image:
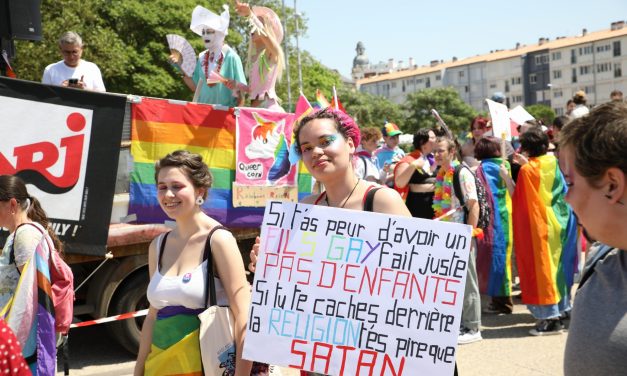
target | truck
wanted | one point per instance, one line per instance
(111, 278)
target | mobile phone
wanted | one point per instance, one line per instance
(73, 81)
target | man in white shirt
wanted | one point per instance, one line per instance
(73, 71)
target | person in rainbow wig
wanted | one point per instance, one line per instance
(545, 235)
(266, 59)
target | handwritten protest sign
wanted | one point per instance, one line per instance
(345, 292)
(501, 125)
(257, 196)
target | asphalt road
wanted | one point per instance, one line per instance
(507, 349)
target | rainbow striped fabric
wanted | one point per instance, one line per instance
(321, 101)
(494, 252)
(159, 127)
(545, 233)
(30, 312)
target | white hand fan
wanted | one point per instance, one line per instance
(188, 55)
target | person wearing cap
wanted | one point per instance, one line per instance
(218, 57)
(389, 153)
(265, 55)
(580, 105)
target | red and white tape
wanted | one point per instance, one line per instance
(103, 320)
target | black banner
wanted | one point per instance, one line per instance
(65, 144)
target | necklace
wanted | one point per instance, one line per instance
(443, 189)
(326, 196)
(212, 58)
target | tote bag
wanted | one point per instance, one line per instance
(217, 344)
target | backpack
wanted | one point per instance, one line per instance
(62, 281)
(485, 210)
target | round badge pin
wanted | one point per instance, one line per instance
(187, 277)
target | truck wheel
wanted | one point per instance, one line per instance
(130, 297)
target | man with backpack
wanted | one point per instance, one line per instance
(456, 200)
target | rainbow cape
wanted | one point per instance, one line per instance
(494, 252)
(545, 233)
(30, 313)
(159, 127)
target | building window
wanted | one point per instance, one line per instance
(585, 50)
(617, 48)
(492, 86)
(573, 56)
(603, 48)
(532, 78)
(506, 86)
(438, 77)
(542, 59)
(557, 94)
(393, 85)
(427, 82)
(589, 89)
(556, 56)
(618, 72)
(584, 69)
(574, 76)
(559, 111)
(557, 74)
(466, 89)
(605, 67)
(461, 74)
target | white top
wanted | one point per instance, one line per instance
(579, 111)
(56, 73)
(26, 239)
(187, 290)
(468, 185)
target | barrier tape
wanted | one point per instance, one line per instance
(103, 320)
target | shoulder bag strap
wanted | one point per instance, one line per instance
(210, 284)
(363, 159)
(11, 251)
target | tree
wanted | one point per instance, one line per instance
(370, 110)
(126, 39)
(541, 112)
(455, 112)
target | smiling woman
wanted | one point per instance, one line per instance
(177, 264)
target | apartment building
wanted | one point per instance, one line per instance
(548, 72)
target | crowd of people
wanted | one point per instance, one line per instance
(529, 204)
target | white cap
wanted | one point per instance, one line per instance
(203, 18)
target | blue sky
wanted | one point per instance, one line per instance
(430, 30)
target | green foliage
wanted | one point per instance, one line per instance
(126, 39)
(370, 110)
(541, 112)
(455, 112)
(315, 76)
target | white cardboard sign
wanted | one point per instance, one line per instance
(345, 292)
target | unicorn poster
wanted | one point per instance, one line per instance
(262, 144)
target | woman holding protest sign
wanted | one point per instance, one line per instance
(24, 269)
(177, 264)
(594, 163)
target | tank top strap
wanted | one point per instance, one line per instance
(320, 198)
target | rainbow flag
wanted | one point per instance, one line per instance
(321, 101)
(159, 127)
(335, 102)
(545, 233)
(494, 252)
(30, 312)
(303, 108)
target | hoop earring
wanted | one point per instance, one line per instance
(200, 201)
